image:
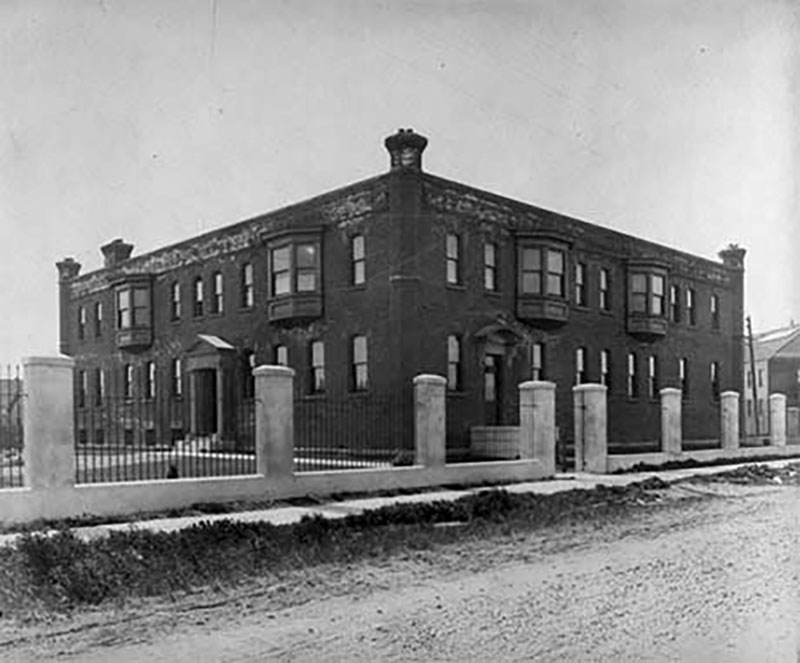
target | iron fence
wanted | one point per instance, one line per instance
(11, 430)
(139, 439)
(352, 432)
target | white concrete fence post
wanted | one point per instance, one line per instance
(591, 433)
(537, 424)
(429, 420)
(274, 398)
(671, 425)
(48, 423)
(729, 419)
(777, 420)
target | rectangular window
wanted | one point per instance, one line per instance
(749, 409)
(675, 303)
(748, 377)
(177, 377)
(453, 249)
(691, 317)
(83, 388)
(580, 365)
(123, 309)
(98, 319)
(639, 293)
(656, 295)
(490, 266)
(306, 267)
(760, 407)
(555, 273)
(714, 312)
(580, 284)
(359, 364)
(198, 297)
(633, 376)
(99, 386)
(453, 363)
(281, 355)
(217, 302)
(317, 367)
(605, 368)
(652, 376)
(150, 380)
(358, 257)
(683, 374)
(537, 361)
(246, 286)
(281, 276)
(760, 377)
(81, 322)
(127, 381)
(714, 376)
(141, 307)
(532, 271)
(605, 295)
(175, 301)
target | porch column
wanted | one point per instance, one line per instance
(274, 401)
(193, 403)
(218, 376)
(537, 424)
(591, 442)
(729, 419)
(777, 420)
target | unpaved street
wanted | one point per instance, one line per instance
(706, 580)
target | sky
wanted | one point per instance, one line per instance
(155, 120)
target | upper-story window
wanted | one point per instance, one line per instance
(177, 377)
(633, 375)
(580, 365)
(358, 259)
(714, 312)
(683, 376)
(150, 380)
(81, 322)
(453, 363)
(246, 283)
(652, 376)
(453, 250)
(133, 307)
(359, 375)
(714, 377)
(537, 361)
(217, 300)
(647, 294)
(83, 388)
(127, 381)
(605, 290)
(294, 268)
(675, 303)
(99, 386)
(175, 301)
(317, 381)
(98, 319)
(490, 266)
(691, 313)
(542, 271)
(580, 284)
(197, 303)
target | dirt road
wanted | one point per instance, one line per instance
(706, 580)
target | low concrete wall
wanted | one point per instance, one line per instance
(18, 505)
(494, 442)
(619, 462)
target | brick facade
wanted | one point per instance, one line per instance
(407, 309)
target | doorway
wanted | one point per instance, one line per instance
(493, 389)
(205, 395)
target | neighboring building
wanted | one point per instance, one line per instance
(777, 371)
(362, 288)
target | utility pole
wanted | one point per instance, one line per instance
(756, 415)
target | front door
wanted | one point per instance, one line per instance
(206, 401)
(493, 389)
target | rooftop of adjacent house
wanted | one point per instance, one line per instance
(782, 342)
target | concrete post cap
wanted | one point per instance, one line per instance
(777, 397)
(425, 378)
(53, 362)
(273, 371)
(537, 385)
(590, 387)
(729, 394)
(670, 391)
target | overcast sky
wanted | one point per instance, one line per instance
(155, 120)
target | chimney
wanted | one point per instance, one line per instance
(405, 148)
(733, 256)
(68, 269)
(116, 252)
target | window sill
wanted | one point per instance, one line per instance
(456, 393)
(460, 287)
(303, 305)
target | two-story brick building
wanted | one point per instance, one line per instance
(362, 288)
